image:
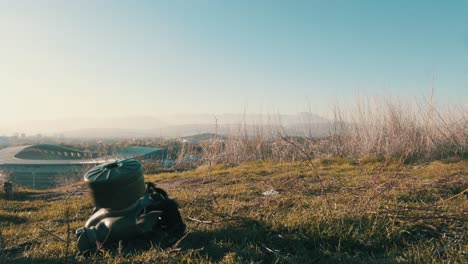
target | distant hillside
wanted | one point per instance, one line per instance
(85, 126)
(169, 126)
(110, 133)
(202, 137)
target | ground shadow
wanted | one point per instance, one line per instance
(254, 241)
(250, 240)
(31, 195)
(11, 219)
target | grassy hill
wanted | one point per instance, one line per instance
(327, 211)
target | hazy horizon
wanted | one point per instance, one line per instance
(152, 125)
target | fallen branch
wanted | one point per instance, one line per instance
(52, 234)
(434, 217)
(200, 221)
(274, 252)
(308, 159)
(175, 247)
(453, 197)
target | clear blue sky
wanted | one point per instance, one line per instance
(79, 58)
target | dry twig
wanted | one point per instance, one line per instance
(452, 197)
(200, 221)
(52, 234)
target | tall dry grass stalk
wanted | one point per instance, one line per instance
(392, 129)
(371, 127)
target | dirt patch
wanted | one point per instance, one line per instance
(72, 192)
(51, 196)
(181, 183)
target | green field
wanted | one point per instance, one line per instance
(347, 211)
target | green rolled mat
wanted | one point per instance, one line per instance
(116, 185)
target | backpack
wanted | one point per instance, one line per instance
(154, 217)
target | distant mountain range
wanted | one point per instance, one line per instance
(175, 125)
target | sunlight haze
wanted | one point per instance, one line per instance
(105, 59)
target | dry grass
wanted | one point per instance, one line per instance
(391, 129)
(385, 212)
(372, 128)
